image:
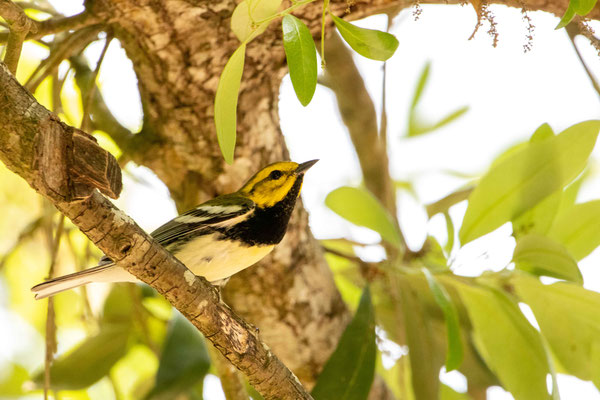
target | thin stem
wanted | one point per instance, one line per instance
(50, 317)
(87, 103)
(573, 30)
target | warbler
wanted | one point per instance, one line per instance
(218, 238)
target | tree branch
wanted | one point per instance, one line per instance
(28, 135)
(359, 116)
(57, 24)
(19, 25)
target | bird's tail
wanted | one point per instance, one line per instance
(102, 273)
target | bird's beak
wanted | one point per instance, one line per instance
(304, 166)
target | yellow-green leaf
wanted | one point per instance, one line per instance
(454, 351)
(226, 102)
(526, 177)
(540, 255)
(349, 372)
(370, 43)
(301, 57)
(568, 318)
(362, 208)
(578, 228)
(90, 361)
(184, 360)
(245, 20)
(510, 346)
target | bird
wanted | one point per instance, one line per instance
(218, 238)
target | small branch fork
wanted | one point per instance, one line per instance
(19, 25)
(27, 133)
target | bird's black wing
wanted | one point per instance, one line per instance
(218, 211)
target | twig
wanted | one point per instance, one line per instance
(87, 99)
(448, 201)
(45, 8)
(59, 24)
(73, 44)
(573, 29)
(102, 118)
(50, 317)
(19, 25)
(359, 116)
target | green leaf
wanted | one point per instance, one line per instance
(583, 7)
(418, 128)
(184, 360)
(542, 133)
(362, 208)
(540, 255)
(447, 393)
(421, 83)
(424, 365)
(568, 318)
(247, 14)
(11, 384)
(526, 177)
(373, 44)
(349, 372)
(538, 219)
(301, 56)
(89, 361)
(454, 351)
(578, 228)
(510, 346)
(567, 17)
(226, 102)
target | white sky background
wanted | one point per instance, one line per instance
(509, 94)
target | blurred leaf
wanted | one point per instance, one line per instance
(184, 360)
(349, 372)
(568, 318)
(391, 376)
(454, 350)
(540, 255)
(506, 340)
(244, 20)
(362, 208)
(118, 306)
(542, 133)
(417, 128)
(370, 43)
(301, 57)
(450, 233)
(11, 384)
(447, 393)
(539, 218)
(578, 228)
(226, 102)
(424, 365)
(527, 177)
(421, 83)
(89, 361)
(134, 374)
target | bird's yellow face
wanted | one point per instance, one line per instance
(271, 184)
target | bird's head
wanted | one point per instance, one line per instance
(272, 184)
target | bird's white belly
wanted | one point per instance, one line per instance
(219, 259)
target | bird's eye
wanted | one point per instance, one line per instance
(274, 175)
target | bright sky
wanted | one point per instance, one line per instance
(509, 94)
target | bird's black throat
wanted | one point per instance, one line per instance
(266, 225)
